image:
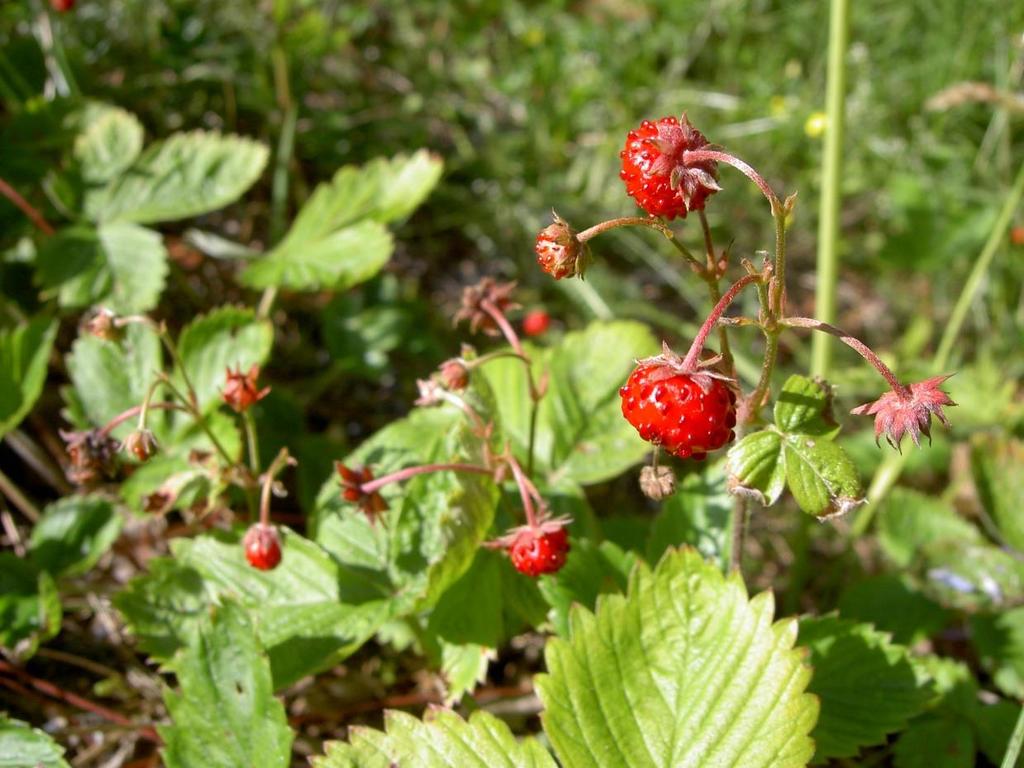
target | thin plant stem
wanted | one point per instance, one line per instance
(693, 355)
(282, 460)
(252, 441)
(25, 207)
(889, 470)
(1016, 740)
(524, 491)
(17, 498)
(625, 221)
(420, 469)
(831, 183)
(696, 155)
(200, 420)
(715, 292)
(137, 410)
(737, 534)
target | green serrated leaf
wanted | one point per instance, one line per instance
(111, 377)
(820, 475)
(119, 265)
(337, 262)
(590, 570)
(24, 355)
(30, 609)
(338, 239)
(185, 175)
(108, 142)
(22, 746)
(993, 726)
(699, 514)
(866, 684)
(998, 466)
(909, 521)
(580, 433)
(685, 670)
(226, 337)
(757, 466)
(441, 740)
(893, 605)
(935, 742)
(999, 640)
(804, 406)
(226, 715)
(73, 534)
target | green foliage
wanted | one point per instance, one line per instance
(24, 354)
(580, 434)
(29, 606)
(892, 604)
(22, 746)
(699, 514)
(73, 534)
(182, 176)
(227, 337)
(338, 239)
(120, 265)
(866, 685)
(442, 739)
(109, 141)
(798, 451)
(999, 640)
(999, 476)
(684, 670)
(226, 715)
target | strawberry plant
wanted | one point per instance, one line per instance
(560, 543)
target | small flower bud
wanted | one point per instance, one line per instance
(241, 391)
(142, 443)
(352, 481)
(657, 482)
(454, 374)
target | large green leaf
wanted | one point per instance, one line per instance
(226, 715)
(893, 605)
(867, 685)
(226, 337)
(120, 265)
(108, 142)
(581, 435)
(110, 377)
(936, 742)
(998, 466)
(73, 534)
(185, 175)
(429, 536)
(682, 671)
(24, 355)
(441, 740)
(338, 239)
(30, 608)
(999, 640)
(22, 746)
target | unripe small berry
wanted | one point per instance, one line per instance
(558, 251)
(536, 322)
(454, 374)
(142, 443)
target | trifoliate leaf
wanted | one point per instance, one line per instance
(73, 534)
(804, 406)
(867, 685)
(22, 746)
(186, 175)
(226, 715)
(441, 740)
(227, 337)
(108, 142)
(684, 670)
(24, 355)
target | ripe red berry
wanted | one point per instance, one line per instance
(657, 174)
(262, 547)
(686, 414)
(536, 322)
(535, 551)
(62, 6)
(1017, 235)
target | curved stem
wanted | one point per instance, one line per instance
(25, 207)
(696, 155)
(137, 410)
(692, 357)
(854, 343)
(252, 439)
(625, 221)
(524, 490)
(504, 326)
(421, 469)
(196, 414)
(778, 284)
(282, 460)
(711, 278)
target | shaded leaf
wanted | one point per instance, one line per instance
(935, 743)
(998, 466)
(73, 534)
(30, 609)
(699, 514)
(804, 406)
(999, 640)
(757, 466)
(893, 605)
(24, 355)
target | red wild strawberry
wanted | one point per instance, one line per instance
(686, 413)
(535, 552)
(262, 547)
(62, 6)
(536, 322)
(1017, 235)
(656, 173)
